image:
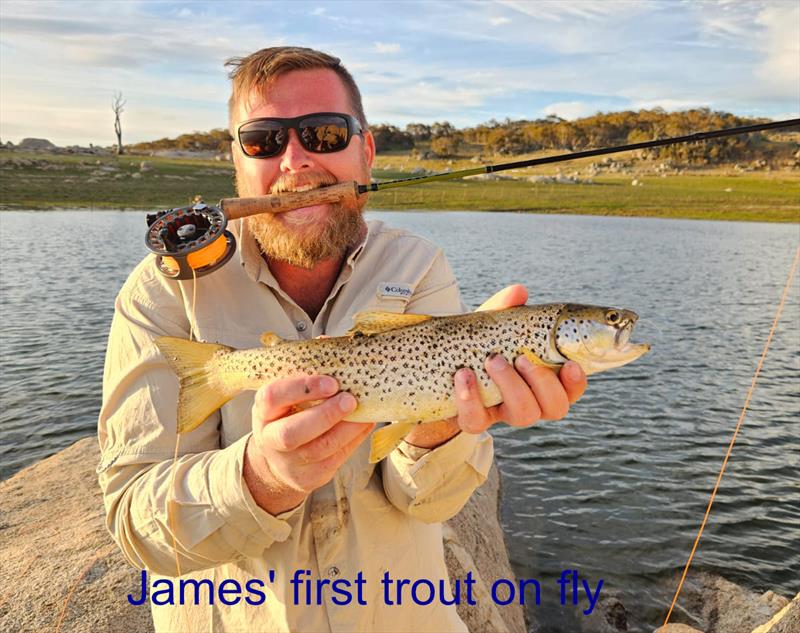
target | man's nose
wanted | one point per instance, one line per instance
(295, 157)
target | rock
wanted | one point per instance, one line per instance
(36, 144)
(474, 542)
(677, 628)
(787, 620)
(60, 565)
(721, 606)
(609, 616)
(136, 174)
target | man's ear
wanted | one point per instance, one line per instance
(369, 147)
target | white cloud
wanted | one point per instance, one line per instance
(387, 48)
(499, 21)
(571, 109)
(780, 43)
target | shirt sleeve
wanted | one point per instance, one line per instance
(170, 508)
(433, 485)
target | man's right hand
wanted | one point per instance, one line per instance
(290, 454)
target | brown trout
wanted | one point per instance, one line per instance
(400, 367)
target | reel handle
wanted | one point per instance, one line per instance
(235, 208)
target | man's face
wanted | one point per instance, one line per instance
(305, 236)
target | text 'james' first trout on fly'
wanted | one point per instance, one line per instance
(400, 367)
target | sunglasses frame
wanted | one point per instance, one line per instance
(354, 128)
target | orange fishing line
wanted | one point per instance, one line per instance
(736, 431)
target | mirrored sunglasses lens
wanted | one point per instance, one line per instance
(262, 138)
(324, 134)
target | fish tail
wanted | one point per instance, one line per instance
(202, 390)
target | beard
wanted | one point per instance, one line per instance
(306, 240)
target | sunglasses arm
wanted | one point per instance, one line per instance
(235, 208)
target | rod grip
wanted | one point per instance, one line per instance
(235, 208)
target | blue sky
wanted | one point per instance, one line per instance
(465, 62)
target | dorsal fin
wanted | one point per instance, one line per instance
(377, 322)
(268, 339)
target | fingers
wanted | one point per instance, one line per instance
(519, 406)
(276, 399)
(546, 388)
(334, 442)
(473, 417)
(529, 394)
(574, 381)
(293, 431)
(508, 297)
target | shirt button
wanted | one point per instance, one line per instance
(333, 572)
(301, 326)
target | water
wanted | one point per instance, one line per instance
(617, 490)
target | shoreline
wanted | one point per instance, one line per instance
(29, 180)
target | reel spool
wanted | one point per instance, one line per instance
(189, 241)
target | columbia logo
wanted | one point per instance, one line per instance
(390, 289)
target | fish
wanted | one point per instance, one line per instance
(400, 367)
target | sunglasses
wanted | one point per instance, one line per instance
(319, 132)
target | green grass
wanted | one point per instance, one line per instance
(69, 181)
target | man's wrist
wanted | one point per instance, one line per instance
(433, 434)
(271, 494)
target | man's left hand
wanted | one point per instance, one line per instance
(529, 393)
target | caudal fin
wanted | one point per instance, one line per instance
(201, 392)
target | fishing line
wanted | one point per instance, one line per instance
(736, 430)
(173, 470)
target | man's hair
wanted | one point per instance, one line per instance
(257, 71)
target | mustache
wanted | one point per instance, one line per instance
(306, 180)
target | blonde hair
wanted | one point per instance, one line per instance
(257, 71)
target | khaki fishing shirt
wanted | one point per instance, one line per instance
(371, 518)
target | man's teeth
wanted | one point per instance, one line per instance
(304, 188)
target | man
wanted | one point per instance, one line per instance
(268, 483)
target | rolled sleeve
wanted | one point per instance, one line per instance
(433, 485)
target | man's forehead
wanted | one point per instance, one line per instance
(297, 92)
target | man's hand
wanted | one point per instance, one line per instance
(529, 393)
(291, 454)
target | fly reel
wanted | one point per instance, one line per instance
(189, 241)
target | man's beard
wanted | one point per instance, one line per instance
(306, 241)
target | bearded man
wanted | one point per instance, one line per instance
(269, 491)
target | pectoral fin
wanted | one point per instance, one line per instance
(527, 353)
(377, 322)
(385, 440)
(268, 339)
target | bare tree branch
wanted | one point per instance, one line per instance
(118, 106)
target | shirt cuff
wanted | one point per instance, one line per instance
(256, 529)
(417, 465)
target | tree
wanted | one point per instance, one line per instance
(118, 106)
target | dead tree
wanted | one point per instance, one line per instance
(118, 106)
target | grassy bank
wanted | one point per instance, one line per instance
(46, 181)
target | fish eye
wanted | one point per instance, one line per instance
(612, 316)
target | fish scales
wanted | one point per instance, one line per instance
(407, 373)
(401, 367)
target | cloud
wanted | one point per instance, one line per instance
(780, 43)
(387, 48)
(570, 109)
(499, 21)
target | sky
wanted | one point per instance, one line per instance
(462, 61)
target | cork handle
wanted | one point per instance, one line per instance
(236, 208)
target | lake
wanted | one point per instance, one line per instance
(617, 490)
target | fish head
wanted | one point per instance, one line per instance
(597, 338)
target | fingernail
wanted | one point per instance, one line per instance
(524, 364)
(347, 402)
(463, 380)
(328, 386)
(497, 362)
(573, 370)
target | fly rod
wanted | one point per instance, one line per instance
(192, 241)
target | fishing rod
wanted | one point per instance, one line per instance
(193, 241)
